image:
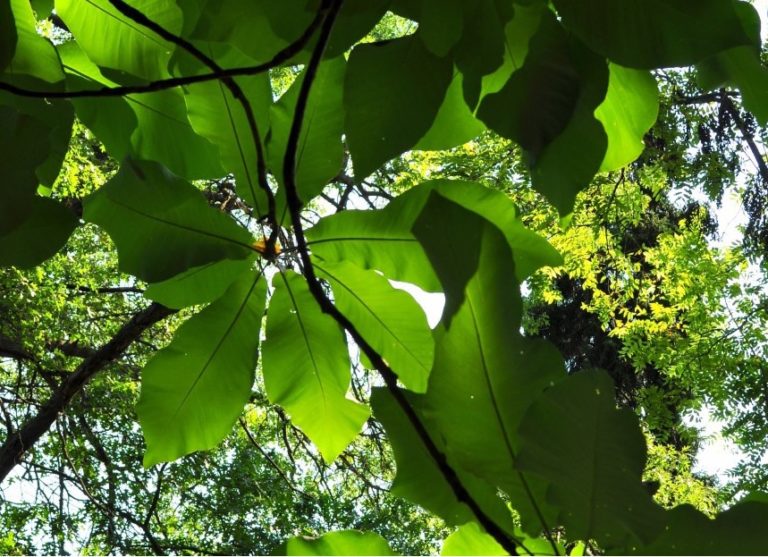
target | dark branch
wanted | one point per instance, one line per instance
(390, 378)
(281, 57)
(237, 92)
(19, 442)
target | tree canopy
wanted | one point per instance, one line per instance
(214, 217)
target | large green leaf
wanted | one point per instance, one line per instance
(454, 124)
(306, 367)
(738, 531)
(629, 110)
(193, 390)
(740, 67)
(114, 41)
(32, 54)
(389, 319)
(484, 367)
(217, 116)
(392, 93)
(112, 120)
(42, 229)
(162, 225)
(548, 108)
(344, 542)
(418, 477)
(199, 285)
(654, 33)
(594, 463)
(319, 152)
(469, 539)
(149, 126)
(382, 240)
(8, 35)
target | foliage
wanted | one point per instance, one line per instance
(238, 128)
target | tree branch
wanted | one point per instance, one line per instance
(281, 57)
(19, 442)
(390, 378)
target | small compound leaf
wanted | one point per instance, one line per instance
(306, 368)
(629, 110)
(392, 93)
(161, 224)
(382, 240)
(193, 390)
(198, 285)
(389, 319)
(344, 542)
(651, 34)
(593, 464)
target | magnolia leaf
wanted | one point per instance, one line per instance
(484, 368)
(392, 93)
(654, 33)
(389, 319)
(198, 285)
(382, 240)
(344, 542)
(629, 110)
(220, 118)
(739, 530)
(161, 224)
(594, 464)
(193, 390)
(33, 55)
(114, 41)
(306, 368)
(319, 152)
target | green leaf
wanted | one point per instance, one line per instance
(629, 110)
(112, 120)
(33, 55)
(654, 33)
(392, 93)
(389, 319)
(344, 542)
(114, 41)
(320, 152)
(419, 479)
(484, 368)
(454, 124)
(742, 68)
(217, 116)
(739, 530)
(162, 225)
(548, 108)
(42, 8)
(307, 370)
(149, 126)
(441, 23)
(193, 390)
(198, 285)
(470, 539)
(8, 36)
(382, 240)
(594, 463)
(42, 230)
